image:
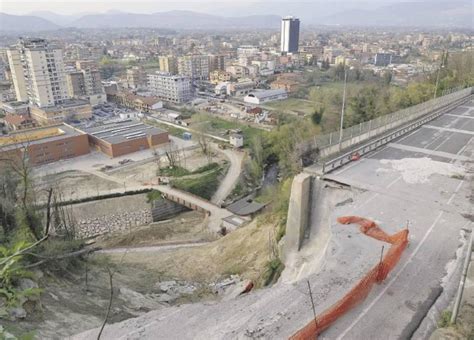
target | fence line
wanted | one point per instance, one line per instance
(384, 123)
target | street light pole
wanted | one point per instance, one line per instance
(343, 107)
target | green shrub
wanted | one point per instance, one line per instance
(154, 195)
(445, 319)
(11, 270)
(273, 270)
(206, 168)
(204, 186)
(176, 171)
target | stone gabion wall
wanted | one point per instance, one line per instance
(95, 226)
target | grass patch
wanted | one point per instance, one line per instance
(293, 105)
(179, 171)
(176, 171)
(172, 130)
(445, 319)
(204, 186)
(206, 168)
(219, 127)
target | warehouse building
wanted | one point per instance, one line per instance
(121, 138)
(264, 96)
(44, 145)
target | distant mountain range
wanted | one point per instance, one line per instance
(457, 13)
(25, 23)
(409, 14)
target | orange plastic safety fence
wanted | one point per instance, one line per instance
(360, 291)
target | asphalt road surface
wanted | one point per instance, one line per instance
(422, 178)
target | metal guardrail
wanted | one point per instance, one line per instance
(374, 144)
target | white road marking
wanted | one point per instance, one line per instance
(382, 293)
(455, 192)
(429, 152)
(459, 116)
(464, 147)
(449, 129)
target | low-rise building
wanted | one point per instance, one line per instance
(72, 109)
(16, 122)
(288, 85)
(236, 140)
(136, 102)
(121, 138)
(240, 88)
(219, 76)
(264, 96)
(44, 145)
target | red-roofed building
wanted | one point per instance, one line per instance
(18, 122)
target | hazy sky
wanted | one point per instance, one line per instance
(225, 7)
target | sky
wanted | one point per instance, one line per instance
(224, 7)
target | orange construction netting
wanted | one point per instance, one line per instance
(360, 291)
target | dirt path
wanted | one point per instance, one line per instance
(232, 177)
(152, 248)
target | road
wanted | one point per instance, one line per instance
(391, 186)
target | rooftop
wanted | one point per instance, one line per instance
(266, 93)
(37, 135)
(122, 131)
(70, 103)
(245, 206)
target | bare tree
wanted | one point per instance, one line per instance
(111, 272)
(173, 156)
(205, 145)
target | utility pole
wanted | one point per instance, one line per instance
(343, 107)
(437, 77)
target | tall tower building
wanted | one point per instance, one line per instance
(38, 72)
(290, 34)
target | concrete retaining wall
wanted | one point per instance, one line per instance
(163, 209)
(298, 213)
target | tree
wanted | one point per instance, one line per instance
(317, 115)
(387, 77)
(363, 105)
(339, 72)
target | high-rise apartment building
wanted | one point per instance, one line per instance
(195, 66)
(171, 88)
(85, 82)
(217, 62)
(75, 84)
(92, 78)
(38, 74)
(136, 77)
(168, 64)
(290, 34)
(382, 59)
